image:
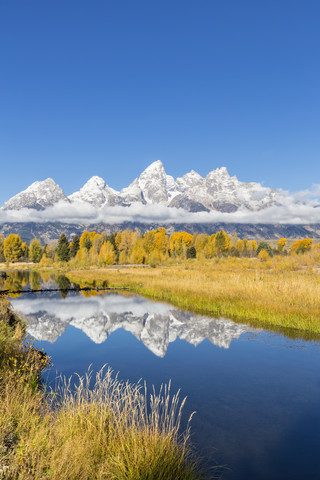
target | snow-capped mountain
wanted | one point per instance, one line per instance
(96, 192)
(155, 324)
(217, 191)
(39, 196)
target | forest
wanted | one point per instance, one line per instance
(152, 248)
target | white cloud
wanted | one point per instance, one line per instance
(294, 208)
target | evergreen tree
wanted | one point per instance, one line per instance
(63, 251)
(112, 240)
(75, 246)
(266, 247)
(191, 252)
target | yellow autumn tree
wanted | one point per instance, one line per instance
(221, 242)
(252, 245)
(13, 249)
(263, 256)
(200, 240)
(123, 258)
(92, 256)
(282, 242)
(45, 261)
(107, 254)
(243, 245)
(126, 241)
(35, 250)
(137, 254)
(149, 241)
(179, 242)
(161, 241)
(82, 257)
(97, 242)
(301, 246)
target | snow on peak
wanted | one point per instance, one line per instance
(38, 195)
(95, 181)
(153, 183)
(154, 166)
(95, 191)
(219, 174)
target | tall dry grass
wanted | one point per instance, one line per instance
(276, 294)
(109, 430)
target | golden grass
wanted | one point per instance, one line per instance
(244, 290)
(113, 431)
(110, 431)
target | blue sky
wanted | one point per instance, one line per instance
(106, 87)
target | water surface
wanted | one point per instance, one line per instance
(256, 393)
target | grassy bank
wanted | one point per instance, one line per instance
(114, 430)
(241, 289)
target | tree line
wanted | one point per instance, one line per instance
(131, 247)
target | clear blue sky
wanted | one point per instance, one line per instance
(106, 87)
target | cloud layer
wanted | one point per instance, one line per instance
(299, 208)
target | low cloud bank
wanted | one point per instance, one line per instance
(299, 208)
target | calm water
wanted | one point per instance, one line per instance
(256, 393)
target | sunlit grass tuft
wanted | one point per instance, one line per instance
(109, 430)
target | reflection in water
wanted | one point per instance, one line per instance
(35, 280)
(155, 324)
(19, 280)
(64, 285)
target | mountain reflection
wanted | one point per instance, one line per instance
(155, 324)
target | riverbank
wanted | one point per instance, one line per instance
(241, 290)
(111, 430)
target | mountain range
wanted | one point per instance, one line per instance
(218, 191)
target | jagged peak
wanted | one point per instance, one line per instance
(219, 172)
(95, 180)
(47, 181)
(192, 174)
(156, 166)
